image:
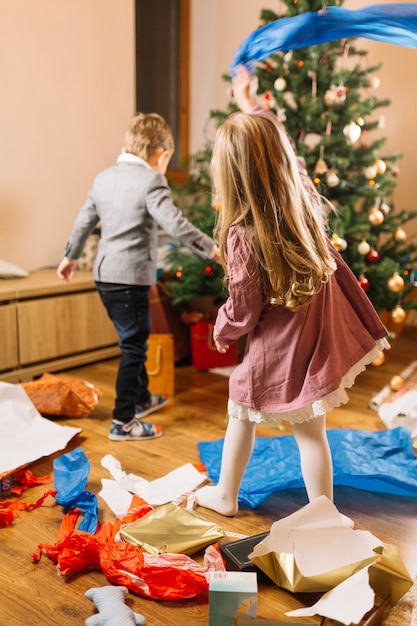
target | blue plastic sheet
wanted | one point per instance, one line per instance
(389, 23)
(70, 479)
(382, 462)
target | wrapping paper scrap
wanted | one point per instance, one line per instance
(182, 480)
(171, 528)
(26, 436)
(382, 462)
(160, 577)
(63, 396)
(399, 408)
(313, 551)
(70, 476)
(392, 23)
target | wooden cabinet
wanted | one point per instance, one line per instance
(47, 325)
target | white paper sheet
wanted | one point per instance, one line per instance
(337, 603)
(26, 436)
(180, 481)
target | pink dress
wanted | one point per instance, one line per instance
(296, 366)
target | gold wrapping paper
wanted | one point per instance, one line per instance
(312, 551)
(171, 528)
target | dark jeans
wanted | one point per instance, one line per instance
(128, 308)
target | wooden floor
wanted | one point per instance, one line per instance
(33, 594)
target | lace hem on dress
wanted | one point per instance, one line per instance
(320, 407)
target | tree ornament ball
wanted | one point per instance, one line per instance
(376, 217)
(375, 82)
(364, 283)
(370, 172)
(332, 179)
(373, 256)
(398, 315)
(364, 247)
(395, 283)
(380, 166)
(280, 84)
(396, 383)
(400, 235)
(379, 360)
(385, 208)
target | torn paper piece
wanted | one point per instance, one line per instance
(160, 491)
(26, 436)
(116, 497)
(337, 603)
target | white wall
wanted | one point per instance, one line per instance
(67, 89)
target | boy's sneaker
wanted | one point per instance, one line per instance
(135, 430)
(156, 401)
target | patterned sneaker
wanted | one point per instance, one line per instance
(156, 401)
(134, 430)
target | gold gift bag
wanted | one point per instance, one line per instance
(160, 363)
(171, 528)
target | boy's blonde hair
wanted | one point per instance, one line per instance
(146, 132)
(260, 187)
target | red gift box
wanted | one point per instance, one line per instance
(204, 352)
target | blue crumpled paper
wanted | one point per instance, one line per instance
(70, 479)
(382, 462)
(391, 23)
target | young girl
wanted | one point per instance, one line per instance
(310, 327)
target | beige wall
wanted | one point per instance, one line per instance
(67, 89)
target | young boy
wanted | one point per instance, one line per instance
(130, 200)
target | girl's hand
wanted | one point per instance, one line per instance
(241, 83)
(219, 348)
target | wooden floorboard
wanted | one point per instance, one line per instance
(33, 594)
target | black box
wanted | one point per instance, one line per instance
(236, 553)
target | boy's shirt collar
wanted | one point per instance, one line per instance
(128, 157)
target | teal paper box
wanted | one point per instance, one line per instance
(232, 594)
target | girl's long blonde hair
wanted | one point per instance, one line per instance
(256, 174)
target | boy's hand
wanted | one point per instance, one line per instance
(66, 269)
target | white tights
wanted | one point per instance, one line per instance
(315, 456)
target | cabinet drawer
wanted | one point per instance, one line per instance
(54, 327)
(9, 357)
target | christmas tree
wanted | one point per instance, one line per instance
(326, 97)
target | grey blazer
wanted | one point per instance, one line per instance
(130, 200)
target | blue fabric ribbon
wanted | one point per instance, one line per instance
(381, 462)
(70, 479)
(390, 23)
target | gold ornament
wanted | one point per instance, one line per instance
(396, 383)
(376, 217)
(395, 283)
(400, 235)
(379, 360)
(398, 315)
(321, 167)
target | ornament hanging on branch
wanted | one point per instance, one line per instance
(395, 283)
(364, 247)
